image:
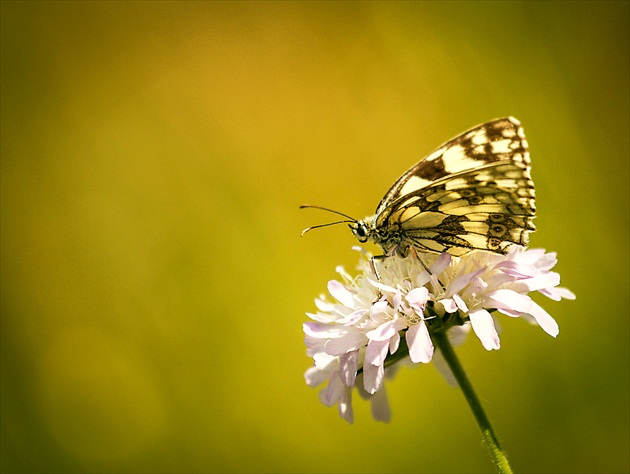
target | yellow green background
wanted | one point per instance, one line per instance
(154, 282)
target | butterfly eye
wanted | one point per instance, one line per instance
(360, 231)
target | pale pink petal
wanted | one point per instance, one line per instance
(378, 312)
(380, 286)
(313, 345)
(441, 263)
(462, 280)
(383, 332)
(422, 278)
(449, 305)
(394, 342)
(350, 341)
(372, 377)
(565, 293)
(380, 406)
(341, 293)
(326, 362)
(483, 325)
(508, 299)
(515, 269)
(352, 318)
(322, 331)
(387, 330)
(344, 407)
(333, 391)
(419, 343)
(529, 257)
(558, 293)
(500, 280)
(314, 377)
(322, 317)
(544, 320)
(397, 300)
(511, 313)
(418, 297)
(542, 280)
(376, 352)
(460, 303)
(348, 366)
(478, 285)
(547, 262)
(324, 305)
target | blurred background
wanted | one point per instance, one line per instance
(154, 282)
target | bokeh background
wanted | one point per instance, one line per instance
(154, 282)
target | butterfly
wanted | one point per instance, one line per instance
(473, 192)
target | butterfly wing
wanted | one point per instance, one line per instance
(473, 192)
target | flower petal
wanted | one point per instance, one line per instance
(422, 278)
(322, 331)
(419, 343)
(314, 377)
(383, 332)
(376, 352)
(323, 317)
(380, 286)
(344, 406)
(449, 305)
(547, 261)
(516, 269)
(380, 406)
(378, 312)
(341, 293)
(557, 294)
(351, 341)
(418, 298)
(333, 391)
(394, 342)
(483, 325)
(544, 320)
(461, 281)
(460, 303)
(352, 318)
(508, 299)
(441, 263)
(348, 366)
(542, 280)
(373, 377)
(324, 305)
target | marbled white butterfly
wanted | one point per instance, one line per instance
(473, 192)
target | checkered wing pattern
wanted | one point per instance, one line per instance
(473, 192)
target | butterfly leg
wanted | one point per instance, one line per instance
(381, 257)
(412, 251)
(373, 266)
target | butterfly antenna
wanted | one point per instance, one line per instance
(322, 225)
(352, 219)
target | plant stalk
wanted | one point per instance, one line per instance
(499, 458)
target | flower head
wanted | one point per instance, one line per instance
(389, 311)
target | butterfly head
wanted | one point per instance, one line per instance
(361, 230)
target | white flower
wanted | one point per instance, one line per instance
(382, 316)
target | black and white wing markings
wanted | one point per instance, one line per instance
(498, 140)
(474, 192)
(480, 215)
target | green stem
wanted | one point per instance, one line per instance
(499, 457)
